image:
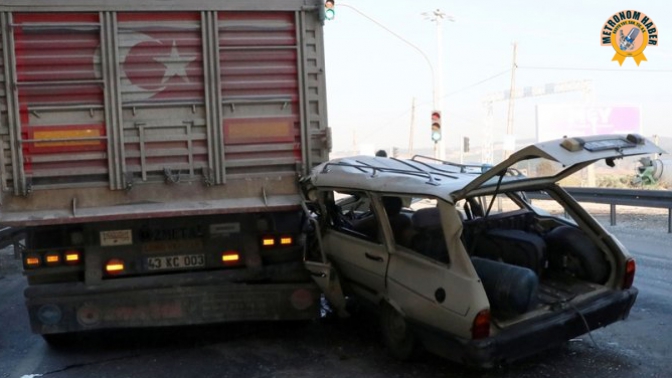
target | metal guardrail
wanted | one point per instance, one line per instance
(625, 197)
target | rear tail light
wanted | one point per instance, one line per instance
(52, 258)
(32, 261)
(481, 326)
(114, 266)
(277, 241)
(73, 257)
(629, 276)
(230, 258)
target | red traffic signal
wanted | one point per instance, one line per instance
(436, 125)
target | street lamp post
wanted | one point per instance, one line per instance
(436, 71)
(438, 16)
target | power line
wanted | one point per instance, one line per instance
(381, 25)
(506, 71)
(446, 96)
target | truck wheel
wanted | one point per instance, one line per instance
(397, 336)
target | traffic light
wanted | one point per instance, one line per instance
(329, 12)
(465, 141)
(436, 125)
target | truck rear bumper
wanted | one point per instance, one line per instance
(536, 335)
(81, 308)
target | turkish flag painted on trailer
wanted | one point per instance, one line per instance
(161, 57)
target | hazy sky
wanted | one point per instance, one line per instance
(372, 76)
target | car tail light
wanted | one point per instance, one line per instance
(32, 261)
(481, 326)
(286, 240)
(268, 241)
(73, 257)
(52, 258)
(629, 276)
(114, 266)
(230, 257)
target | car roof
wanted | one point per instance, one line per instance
(380, 174)
(422, 175)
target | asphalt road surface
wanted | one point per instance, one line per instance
(638, 347)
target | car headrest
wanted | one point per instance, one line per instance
(392, 205)
(428, 217)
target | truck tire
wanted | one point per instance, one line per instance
(397, 336)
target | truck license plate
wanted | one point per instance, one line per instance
(175, 262)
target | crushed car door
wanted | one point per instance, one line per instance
(321, 270)
(326, 278)
(354, 243)
(573, 154)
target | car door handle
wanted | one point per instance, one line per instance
(373, 257)
(318, 274)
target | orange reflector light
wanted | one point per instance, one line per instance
(72, 257)
(230, 257)
(286, 240)
(268, 242)
(114, 266)
(52, 258)
(32, 261)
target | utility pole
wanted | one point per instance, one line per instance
(416, 48)
(509, 139)
(437, 17)
(410, 137)
(438, 93)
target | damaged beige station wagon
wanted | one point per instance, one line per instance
(464, 264)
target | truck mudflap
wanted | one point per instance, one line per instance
(166, 306)
(531, 337)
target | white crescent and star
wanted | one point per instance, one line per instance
(174, 63)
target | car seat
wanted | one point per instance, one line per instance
(429, 239)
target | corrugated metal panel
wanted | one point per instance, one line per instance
(317, 137)
(260, 92)
(5, 150)
(158, 5)
(60, 97)
(162, 89)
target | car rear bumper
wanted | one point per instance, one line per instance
(531, 337)
(76, 307)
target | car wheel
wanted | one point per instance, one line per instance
(397, 335)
